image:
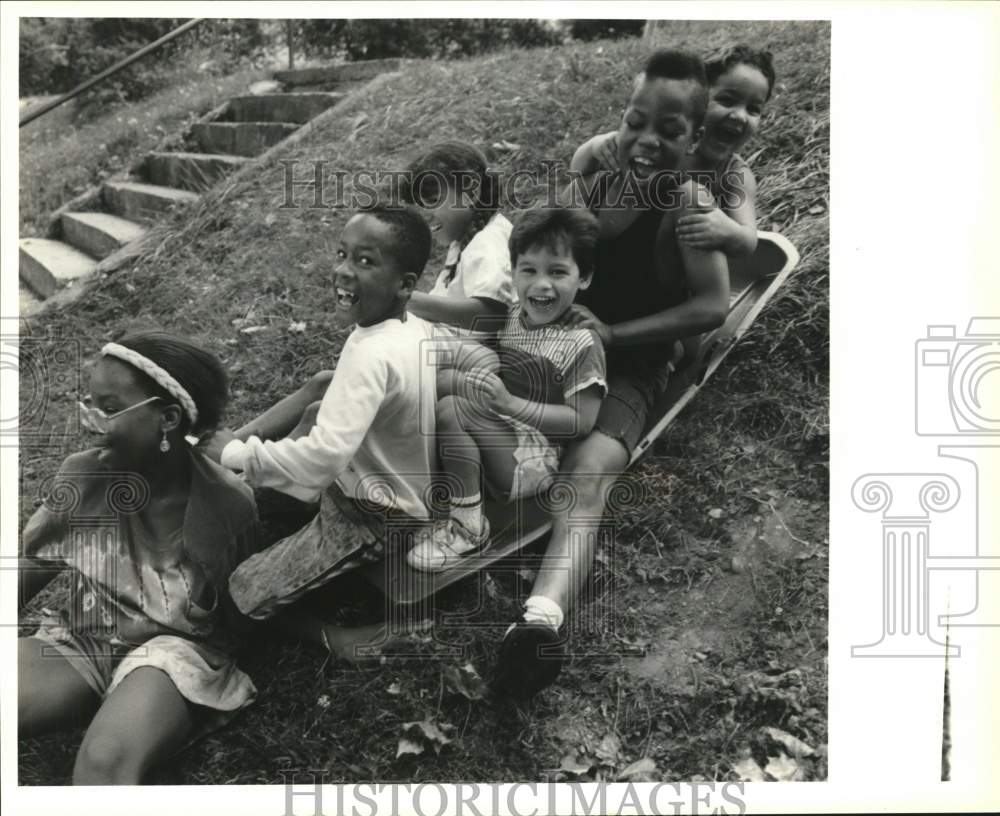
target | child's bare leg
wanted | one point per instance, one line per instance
(51, 694)
(473, 443)
(306, 422)
(466, 355)
(457, 447)
(282, 417)
(445, 382)
(531, 652)
(591, 468)
(468, 441)
(472, 355)
(141, 723)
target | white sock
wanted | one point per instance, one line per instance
(468, 511)
(539, 609)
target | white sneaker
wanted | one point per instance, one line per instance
(444, 544)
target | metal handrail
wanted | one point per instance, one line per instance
(32, 115)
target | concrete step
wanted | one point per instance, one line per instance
(241, 138)
(99, 234)
(47, 266)
(332, 74)
(189, 171)
(142, 202)
(279, 107)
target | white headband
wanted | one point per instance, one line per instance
(157, 374)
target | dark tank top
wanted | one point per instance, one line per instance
(627, 286)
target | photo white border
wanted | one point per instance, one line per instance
(914, 161)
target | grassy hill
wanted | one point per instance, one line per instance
(719, 576)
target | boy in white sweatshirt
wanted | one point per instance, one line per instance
(370, 455)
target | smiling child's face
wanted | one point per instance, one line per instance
(370, 285)
(133, 438)
(547, 282)
(449, 217)
(735, 104)
(657, 128)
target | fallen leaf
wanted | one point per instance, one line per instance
(609, 751)
(394, 689)
(466, 681)
(408, 746)
(715, 513)
(642, 770)
(270, 219)
(572, 765)
(793, 746)
(430, 732)
(749, 771)
(784, 769)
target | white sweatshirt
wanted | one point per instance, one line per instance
(374, 433)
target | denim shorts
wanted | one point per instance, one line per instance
(344, 535)
(626, 408)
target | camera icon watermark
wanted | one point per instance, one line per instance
(957, 394)
(958, 380)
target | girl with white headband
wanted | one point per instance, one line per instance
(150, 530)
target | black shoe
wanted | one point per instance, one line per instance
(530, 659)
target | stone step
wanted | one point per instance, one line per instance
(46, 266)
(142, 202)
(241, 138)
(279, 107)
(347, 72)
(189, 171)
(99, 234)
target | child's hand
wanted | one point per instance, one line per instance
(606, 151)
(580, 317)
(706, 229)
(487, 389)
(212, 445)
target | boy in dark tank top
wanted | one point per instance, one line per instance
(648, 292)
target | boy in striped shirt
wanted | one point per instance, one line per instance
(509, 411)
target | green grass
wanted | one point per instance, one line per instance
(756, 438)
(61, 158)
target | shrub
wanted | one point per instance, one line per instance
(605, 29)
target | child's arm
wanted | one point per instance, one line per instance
(730, 229)
(570, 421)
(44, 537)
(306, 466)
(597, 153)
(479, 313)
(34, 575)
(707, 277)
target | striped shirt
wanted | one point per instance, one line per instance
(550, 363)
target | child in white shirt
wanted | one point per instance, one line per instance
(452, 185)
(370, 455)
(454, 189)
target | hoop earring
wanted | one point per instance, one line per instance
(165, 443)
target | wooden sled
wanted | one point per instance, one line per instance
(753, 282)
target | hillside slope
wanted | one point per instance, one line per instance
(719, 601)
